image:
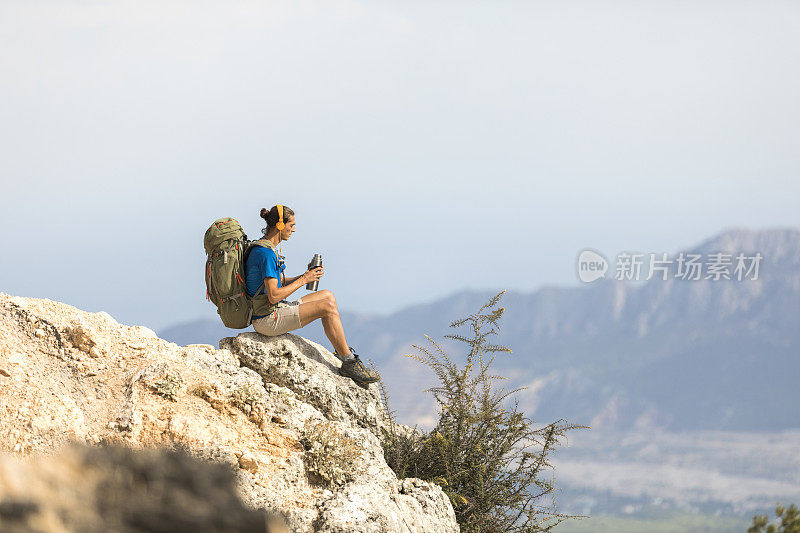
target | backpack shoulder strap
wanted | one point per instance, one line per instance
(263, 243)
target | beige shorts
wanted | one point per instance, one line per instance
(285, 318)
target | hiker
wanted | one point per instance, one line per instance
(264, 268)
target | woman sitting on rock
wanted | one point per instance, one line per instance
(263, 264)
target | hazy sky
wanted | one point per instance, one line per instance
(426, 147)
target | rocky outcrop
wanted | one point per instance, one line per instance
(303, 440)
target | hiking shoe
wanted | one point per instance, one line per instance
(356, 370)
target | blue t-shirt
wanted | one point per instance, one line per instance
(261, 263)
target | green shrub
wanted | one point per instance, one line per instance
(790, 521)
(486, 456)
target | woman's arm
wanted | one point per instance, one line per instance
(289, 281)
(275, 294)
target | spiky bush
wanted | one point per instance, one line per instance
(485, 454)
(789, 521)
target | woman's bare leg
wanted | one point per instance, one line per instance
(322, 305)
(316, 295)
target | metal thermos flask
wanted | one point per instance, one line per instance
(316, 262)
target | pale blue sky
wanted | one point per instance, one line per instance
(426, 147)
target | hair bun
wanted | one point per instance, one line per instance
(264, 213)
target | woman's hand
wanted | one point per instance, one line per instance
(313, 275)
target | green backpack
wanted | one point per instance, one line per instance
(227, 249)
